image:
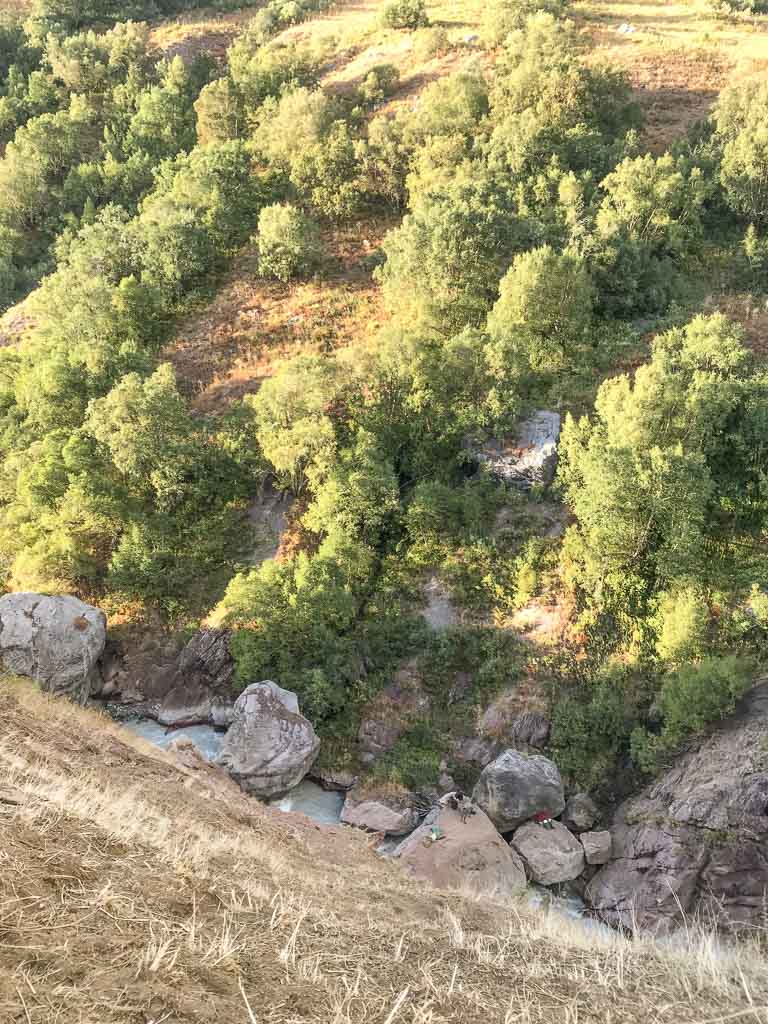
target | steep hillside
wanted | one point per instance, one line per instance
(136, 889)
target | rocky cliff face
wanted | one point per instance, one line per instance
(696, 841)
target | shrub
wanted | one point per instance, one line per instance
(380, 82)
(692, 698)
(543, 312)
(405, 14)
(288, 242)
(504, 16)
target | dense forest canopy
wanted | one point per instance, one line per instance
(533, 237)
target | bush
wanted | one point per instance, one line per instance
(288, 242)
(405, 14)
(380, 82)
(504, 16)
(692, 698)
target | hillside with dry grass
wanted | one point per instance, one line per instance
(138, 888)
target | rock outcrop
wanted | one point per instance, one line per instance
(202, 682)
(57, 641)
(580, 814)
(527, 459)
(551, 855)
(471, 854)
(514, 787)
(597, 847)
(392, 814)
(695, 842)
(270, 746)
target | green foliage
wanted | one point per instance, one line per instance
(445, 260)
(501, 17)
(691, 698)
(380, 82)
(593, 720)
(648, 221)
(327, 174)
(414, 761)
(293, 422)
(218, 112)
(740, 121)
(288, 242)
(405, 14)
(259, 71)
(543, 313)
(667, 482)
(683, 625)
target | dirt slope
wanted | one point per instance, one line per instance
(136, 890)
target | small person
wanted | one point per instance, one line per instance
(544, 818)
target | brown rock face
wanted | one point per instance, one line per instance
(696, 841)
(390, 713)
(202, 681)
(471, 854)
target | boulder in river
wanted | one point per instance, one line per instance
(580, 814)
(469, 854)
(57, 641)
(270, 746)
(695, 842)
(390, 813)
(515, 787)
(551, 855)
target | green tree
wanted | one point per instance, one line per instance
(543, 313)
(288, 242)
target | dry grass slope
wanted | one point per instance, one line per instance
(135, 890)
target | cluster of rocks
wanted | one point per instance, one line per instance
(529, 458)
(695, 842)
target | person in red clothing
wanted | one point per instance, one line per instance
(544, 818)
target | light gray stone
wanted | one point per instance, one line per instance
(530, 457)
(378, 812)
(515, 786)
(551, 855)
(597, 847)
(471, 854)
(580, 814)
(269, 747)
(57, 641)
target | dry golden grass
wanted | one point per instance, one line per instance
(679, 57)
(132, 890)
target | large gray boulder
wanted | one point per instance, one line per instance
(581, 813)
(470, 855)
(392, 814)
(270, 746)
(695, 842)
(551, 855)
(57, 641)
(516, 786)
(530, 457)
